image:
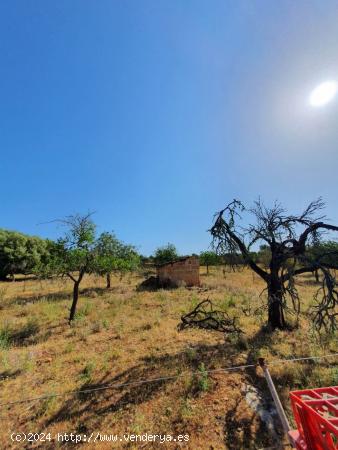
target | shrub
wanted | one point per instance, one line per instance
(86, 374)
(105, 324)
(83, 312)
(203, 381)
(200, 381)
(5, 337)
(228, 302)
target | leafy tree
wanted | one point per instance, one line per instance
(74, 255)
(209, 258)
(20, 253)
(287, 238)
(327, 251)
(129, 259)
(107, 249)
(114, 256)
(165, 254)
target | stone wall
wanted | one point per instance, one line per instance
(182, 271)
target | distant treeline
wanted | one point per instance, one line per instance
(328, 252)
(24, 254)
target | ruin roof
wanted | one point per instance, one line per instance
(180, 259)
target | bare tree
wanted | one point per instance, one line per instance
(287, 237)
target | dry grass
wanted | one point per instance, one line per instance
(122, 335)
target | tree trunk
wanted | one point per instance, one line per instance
(207, 269)
(275, 305)
(108, 280)
(75, 299)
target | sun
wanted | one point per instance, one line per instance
(323, 93)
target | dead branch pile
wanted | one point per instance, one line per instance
(206, 317)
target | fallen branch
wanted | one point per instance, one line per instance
(206, 317)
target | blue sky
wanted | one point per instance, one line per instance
(155, 114)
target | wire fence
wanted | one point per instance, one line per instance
(165, 378)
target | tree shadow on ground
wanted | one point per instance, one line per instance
(36, 298)
(153, 283)
(309, 282)
(105, 400)
(19, 279)
(262, 339)
(57, 296)
(6, 374)
(308, 279)
(89, 407)
(290, 377)
(27, 334)
(242, 433)
(94, 291)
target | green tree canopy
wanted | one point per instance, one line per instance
(327, 251)
(165, 254)
(113, 256)
(73, 255)
(20, 253)
(209, 258)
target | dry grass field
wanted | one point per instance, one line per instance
(121, 336)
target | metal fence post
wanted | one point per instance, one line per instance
(278, 404)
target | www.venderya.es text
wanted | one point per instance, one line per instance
(97, 437)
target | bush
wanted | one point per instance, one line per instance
(5, 337)
(200, 381)
(86, 374)
(165, 254)
(83, 312)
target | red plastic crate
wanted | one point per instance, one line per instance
(316, 415)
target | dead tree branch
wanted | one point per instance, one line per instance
(206, 317)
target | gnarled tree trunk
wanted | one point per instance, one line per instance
(275, 304)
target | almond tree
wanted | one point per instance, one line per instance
(208, 258)
(165, 254)
(73, 255)
(113, 256)
(287, 237)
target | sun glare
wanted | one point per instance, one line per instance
(323, 93)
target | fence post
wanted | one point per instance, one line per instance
(278, 404)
